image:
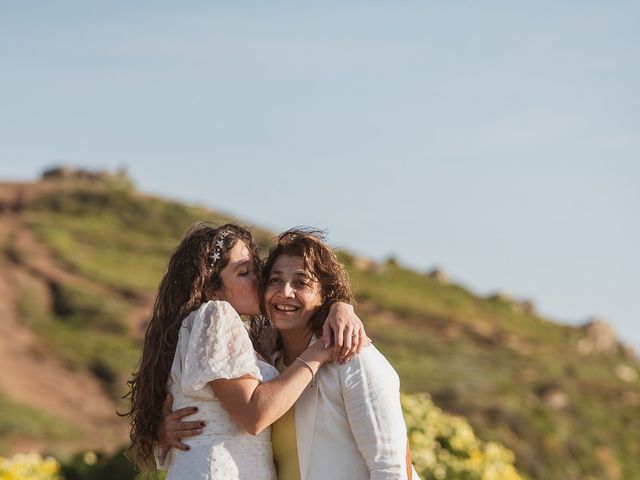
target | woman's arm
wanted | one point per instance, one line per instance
(347, 330)
(254, 405)
(172, 429)
(342, 323)
(370, 389)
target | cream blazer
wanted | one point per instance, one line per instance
(349, 425)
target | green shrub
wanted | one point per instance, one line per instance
(444, 447)
(84, 308)
(100, 466)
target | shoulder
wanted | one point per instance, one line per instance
(212, 309)
(368, 356)
(219, 307)
(369, 363)
(214, 316)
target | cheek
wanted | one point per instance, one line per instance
(268, 295)
(252, 283)
(313, 301)
(248, 286)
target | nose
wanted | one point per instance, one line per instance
(287, 291)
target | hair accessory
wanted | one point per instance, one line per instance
(219, 243)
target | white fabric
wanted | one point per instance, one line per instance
(350, 424)
(213, 343)
(217, 346)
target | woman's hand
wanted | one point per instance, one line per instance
(318, 353)
(172, 429)
(348, 332)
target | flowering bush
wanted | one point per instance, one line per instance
(29, 466)
(444, 447)
(104, 466)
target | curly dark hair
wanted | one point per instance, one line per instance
(191, 279)
(320, 261)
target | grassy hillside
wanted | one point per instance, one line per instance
(518, 378)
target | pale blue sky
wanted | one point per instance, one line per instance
(500, 140)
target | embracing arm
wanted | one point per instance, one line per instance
(347, 330)
(254, 405)
(370, 389)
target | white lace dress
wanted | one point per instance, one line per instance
(213, 343)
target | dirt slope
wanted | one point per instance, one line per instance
(31, 375)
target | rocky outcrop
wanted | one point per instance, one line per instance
(626, 373)
(525, 306)
(364, 264)
(439, 275)
(67, 172)
(522, 305)
(598, 337)
(500, 296)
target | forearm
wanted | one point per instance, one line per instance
(271, 400)
(255, 406)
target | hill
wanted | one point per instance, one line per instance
(81, 258)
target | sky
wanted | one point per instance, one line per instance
(498, 140)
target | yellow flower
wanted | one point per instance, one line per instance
(444, 446)
(90, 458)
(30, 466)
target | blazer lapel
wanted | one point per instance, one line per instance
(305, 417)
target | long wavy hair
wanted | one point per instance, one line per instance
(192, 277)
(321, 262)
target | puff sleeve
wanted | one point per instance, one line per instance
(218, 347)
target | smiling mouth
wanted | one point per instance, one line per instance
(281, 307)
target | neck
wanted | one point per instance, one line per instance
(294, 342)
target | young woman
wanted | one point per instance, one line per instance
(348, 423)
(197, 347)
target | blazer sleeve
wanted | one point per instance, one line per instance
(371, 392)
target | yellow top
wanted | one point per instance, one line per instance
(283, 438)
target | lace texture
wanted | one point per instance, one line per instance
(218, 347)
(213, 343)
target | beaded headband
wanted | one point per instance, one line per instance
(219, 243)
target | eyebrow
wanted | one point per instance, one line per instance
(241, 264)
(299, 273)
